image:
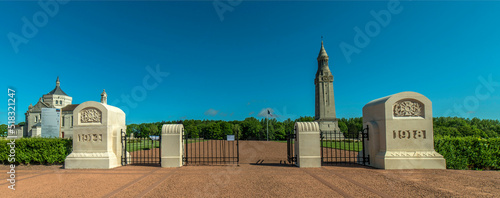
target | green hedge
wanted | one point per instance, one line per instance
(37, 150)
(469, 152)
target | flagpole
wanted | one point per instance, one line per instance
(267, 118)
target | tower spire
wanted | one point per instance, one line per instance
(322, 52)
(58, 84)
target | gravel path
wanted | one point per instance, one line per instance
(250, 179)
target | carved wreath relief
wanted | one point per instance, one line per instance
(90, 115)
(408, 108)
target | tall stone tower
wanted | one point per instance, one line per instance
(325, 101)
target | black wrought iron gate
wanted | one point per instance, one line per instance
(199, 150)
(141, 150)
(290, 148)
(338, 148)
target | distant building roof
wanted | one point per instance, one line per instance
(57, 90)
(70, 107)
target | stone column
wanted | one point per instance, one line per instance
(172, 145)
(307, 144)
(401, 132)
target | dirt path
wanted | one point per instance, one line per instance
(250, 179)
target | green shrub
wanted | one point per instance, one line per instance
(37, 150)
(469, 152)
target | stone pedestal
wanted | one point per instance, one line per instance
(171, 145)
(332, 128)
(97, 137)
(401, 133)
(307, 144)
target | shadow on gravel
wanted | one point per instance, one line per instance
(276, 164)
(347, 166)
(273, 164)
(148, 165)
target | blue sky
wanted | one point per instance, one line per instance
(255, 55)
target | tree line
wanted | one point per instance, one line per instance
(253, 129)
(462, 127)
(249, 129)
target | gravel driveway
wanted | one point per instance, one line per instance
(268, 178)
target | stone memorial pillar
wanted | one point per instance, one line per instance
(172, 145)
(401, 133)
(307, 144)
(97, 137)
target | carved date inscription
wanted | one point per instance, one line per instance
(409, 134)
(90, 137)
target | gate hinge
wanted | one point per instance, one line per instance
(365, 133)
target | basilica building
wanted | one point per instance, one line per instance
(56, 98)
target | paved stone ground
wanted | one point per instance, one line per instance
(269, 179)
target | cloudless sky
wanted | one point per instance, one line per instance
(259, 55)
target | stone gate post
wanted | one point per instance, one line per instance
(307, 144)
(401, 132)
(172, 145)
(97, 137)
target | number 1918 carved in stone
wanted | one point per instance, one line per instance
(409, 134)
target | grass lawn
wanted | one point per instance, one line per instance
(193, 141)
(142, 145)
(344, 145)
